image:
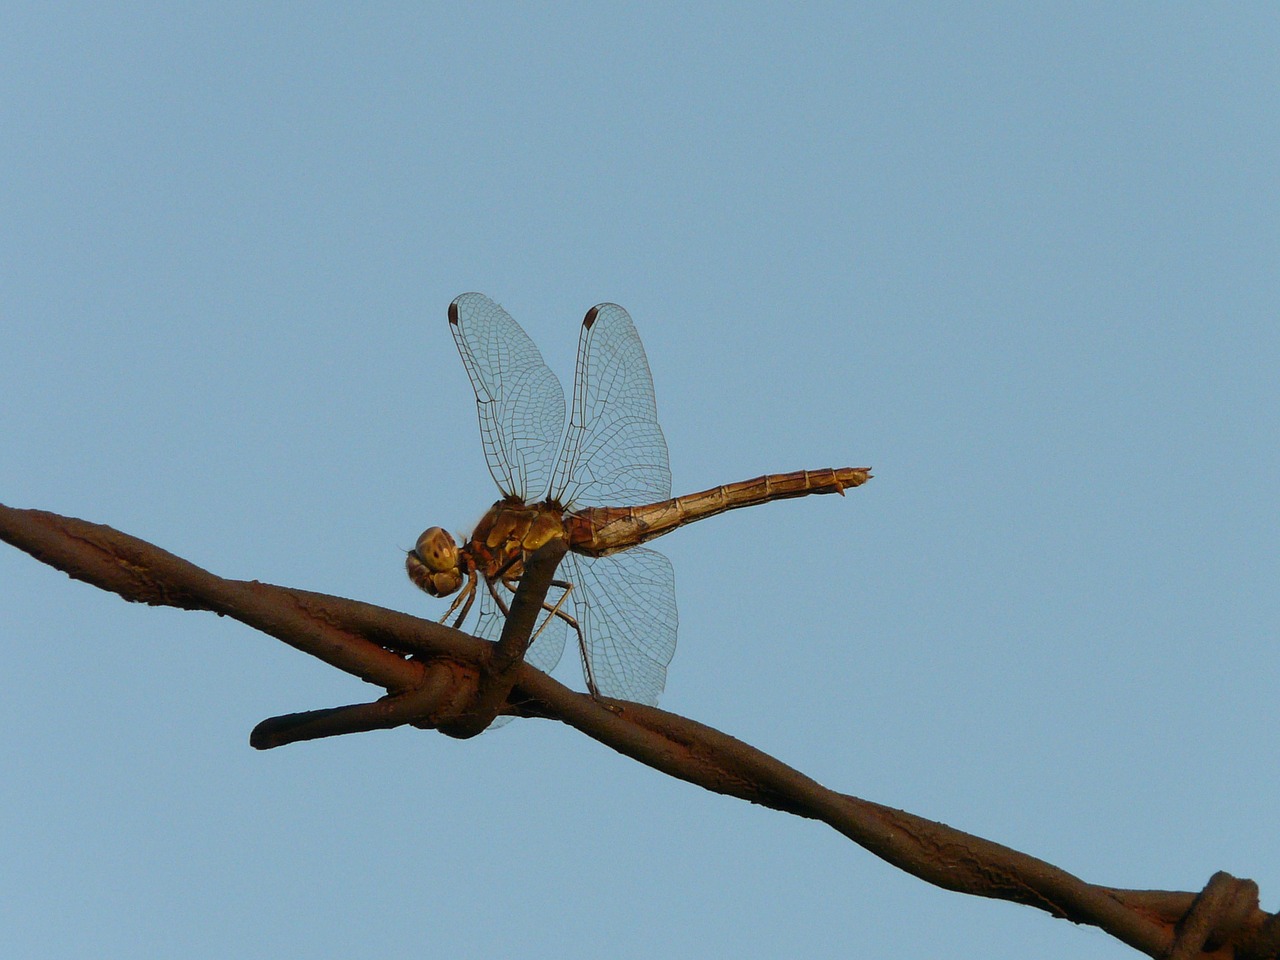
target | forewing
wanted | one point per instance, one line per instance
(625, 604)
(614, 453)
(546, 649)
(520, 401)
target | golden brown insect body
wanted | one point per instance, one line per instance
(510, 530)
(593, 474)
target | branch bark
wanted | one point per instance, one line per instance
(439, 678)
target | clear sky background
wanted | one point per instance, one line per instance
(1023, 262)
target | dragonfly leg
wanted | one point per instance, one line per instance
(511, 583)
(582, 640)
(468, 595)
(466, 607)
(493, 592)
(554, 611)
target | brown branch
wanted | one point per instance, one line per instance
(440, 678)
(499, 671)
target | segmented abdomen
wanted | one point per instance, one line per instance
(597, 531)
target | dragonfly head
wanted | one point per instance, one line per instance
(434, 563)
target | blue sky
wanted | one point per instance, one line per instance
(1023, 262)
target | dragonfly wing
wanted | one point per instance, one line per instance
(625, 604)
(545, 651)
(614, 453)
(521, 402)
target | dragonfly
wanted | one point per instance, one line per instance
(602, 483)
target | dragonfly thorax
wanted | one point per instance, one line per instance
(509, 532)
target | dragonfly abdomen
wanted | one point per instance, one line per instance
(598, 531)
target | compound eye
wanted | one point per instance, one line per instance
(438, 551)
(434, 564)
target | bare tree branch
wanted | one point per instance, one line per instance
(440, 678)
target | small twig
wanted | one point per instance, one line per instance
(499, 671)
(382, 714)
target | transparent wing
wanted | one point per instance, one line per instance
(614, 453)
(544, 653)
(520, 401)
(625, 604)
